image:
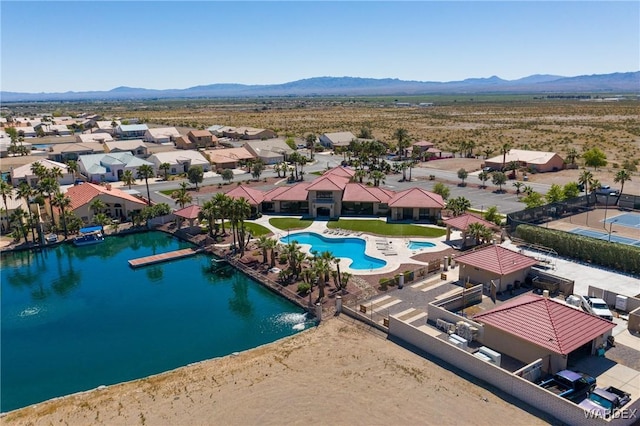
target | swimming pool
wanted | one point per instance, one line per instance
(352, 248)
(417, 245)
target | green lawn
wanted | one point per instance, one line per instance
(167, 192)
(390, 229)
(256, 230)
(285, 223)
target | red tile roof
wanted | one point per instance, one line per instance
(190, 212)
(462, 222)
(296, 192)
(85, 193)
(253, 196)
(546, 323)
(497, 259)
(424, 143)
(416, 197)
(340, 171)
(329, 183)
(357, 192)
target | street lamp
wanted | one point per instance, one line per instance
(610, 225)
(606, 206)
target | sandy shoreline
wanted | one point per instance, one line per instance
(337, 373)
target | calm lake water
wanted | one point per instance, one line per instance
(74, 318)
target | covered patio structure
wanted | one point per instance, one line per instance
(188, 213)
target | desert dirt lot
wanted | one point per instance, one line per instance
(336, 373)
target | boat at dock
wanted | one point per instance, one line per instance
(90, 235)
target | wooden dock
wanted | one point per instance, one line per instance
(162, 257)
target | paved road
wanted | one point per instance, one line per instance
(479, 198)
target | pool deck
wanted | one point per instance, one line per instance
(393, 250)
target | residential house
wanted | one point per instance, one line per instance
(26, 132)
(161, 135)
(538, 161)
(109, 167)
(131, 131)
(106, 126)
(94, 137)
(216, 129)
(49, 129)
(134, 146)
(416, 204)
(249, 133)
(270, 151)
(532, 327)
(228, 158)
(119, 204)
(337, 139)
(13, 203)
(180, 161)
(201, 138)
(25, 174)
(72, 151)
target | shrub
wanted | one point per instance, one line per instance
(303, 288)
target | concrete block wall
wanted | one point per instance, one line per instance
(528, 392)
(633, 303)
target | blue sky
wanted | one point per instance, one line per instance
(84, 45)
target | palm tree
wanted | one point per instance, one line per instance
(97, 206)
(518, 186)
(458, 205)
(476, 230)
(291, 250)
(311, 142)
(62, 202)
(263, 243)
(377, 176)
(145, 172)
(586, 180)
(6, 191)
(572, 156)
(621, 177)
(102, 220)
(181, 195)
(487, 152)
(210, 211)
(17, 217)
(128, 178)
(165, 167)
(48, 187)
(506, 147)
(25, 192)
(271, 246)
(242, 211)
(72, 166)
(223, 201)
(402, 136)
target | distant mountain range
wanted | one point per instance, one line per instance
(615, 83)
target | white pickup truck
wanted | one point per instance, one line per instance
(596, 306)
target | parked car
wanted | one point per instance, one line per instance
(569, 384)
(605, 400)
(607, 190)
(596, 306)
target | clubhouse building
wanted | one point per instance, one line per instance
(334, 195)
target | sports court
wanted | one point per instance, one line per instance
(622, 226)
(605, 236)
(631, 220)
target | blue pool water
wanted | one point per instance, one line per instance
(416, 245)
(352, 248)
(74, 318)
